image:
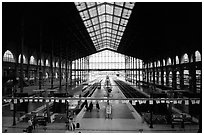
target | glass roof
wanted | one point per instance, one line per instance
(105, 21)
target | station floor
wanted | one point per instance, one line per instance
(124, 119)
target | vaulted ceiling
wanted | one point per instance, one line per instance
(150, 30)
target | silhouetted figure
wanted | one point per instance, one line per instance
(86, 105)
(30, 126)
(34, 122)
(97, 106)
(90, 106)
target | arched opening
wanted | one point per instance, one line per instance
(197, 56)
(57, 64)
(164, 63)
(47, 63)
(170, 79)
(159, 78)
(186, 79)
(169, 61)
(42, 62)
(198, 81)
(164, 77)
(177, 80)
(185, 58)
(24, 59)
(8, 57)
(32, 60)
(177, 60)
(56, 75)
(158, 63)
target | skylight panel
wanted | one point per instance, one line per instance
(120, 33)
(80, 5)
(121, 28)
(93, 12)
(95, 21)
(129, 5)
(108, 34)
(114, 32)
(114, 36)
(103, 25)
(109, 9)
(115, 26)
(91, 34)
(126, 13)
(117, 11)
(97, 32)
(96, 27)
(101, 9)
(109, 25)
(102, 18)
(116, 20)
(124, 22)
(109, 18)
(87, 23)
(105, 21)
(90, 4)
(119, 3)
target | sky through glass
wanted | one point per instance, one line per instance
(105, 21)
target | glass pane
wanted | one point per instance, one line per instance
(109, 9)
(117, 11)
(90, 4)
(116, 20)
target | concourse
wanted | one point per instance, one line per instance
(101, 67)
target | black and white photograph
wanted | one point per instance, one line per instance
(101, 67)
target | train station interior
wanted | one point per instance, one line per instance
(102, 67)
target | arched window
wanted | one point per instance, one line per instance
(185, 59)
(164, 77)
(32, 60)
(164, 63)
(158, 63)
(177, 80)
(170, 78)
(56, 75)
(177, 60)
(197, 56)
(57, 64)
(186, 78)
(8, 56)
(42, 63)
(169, 61)
(47, 63)
(53, 64)
(24, 59)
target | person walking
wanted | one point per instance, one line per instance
(97, 106)
(30, 126)
(90, 106)
(86, 105)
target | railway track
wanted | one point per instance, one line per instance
(128, 91)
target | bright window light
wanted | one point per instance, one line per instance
(105, 20)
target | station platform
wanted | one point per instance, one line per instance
(123, 119)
